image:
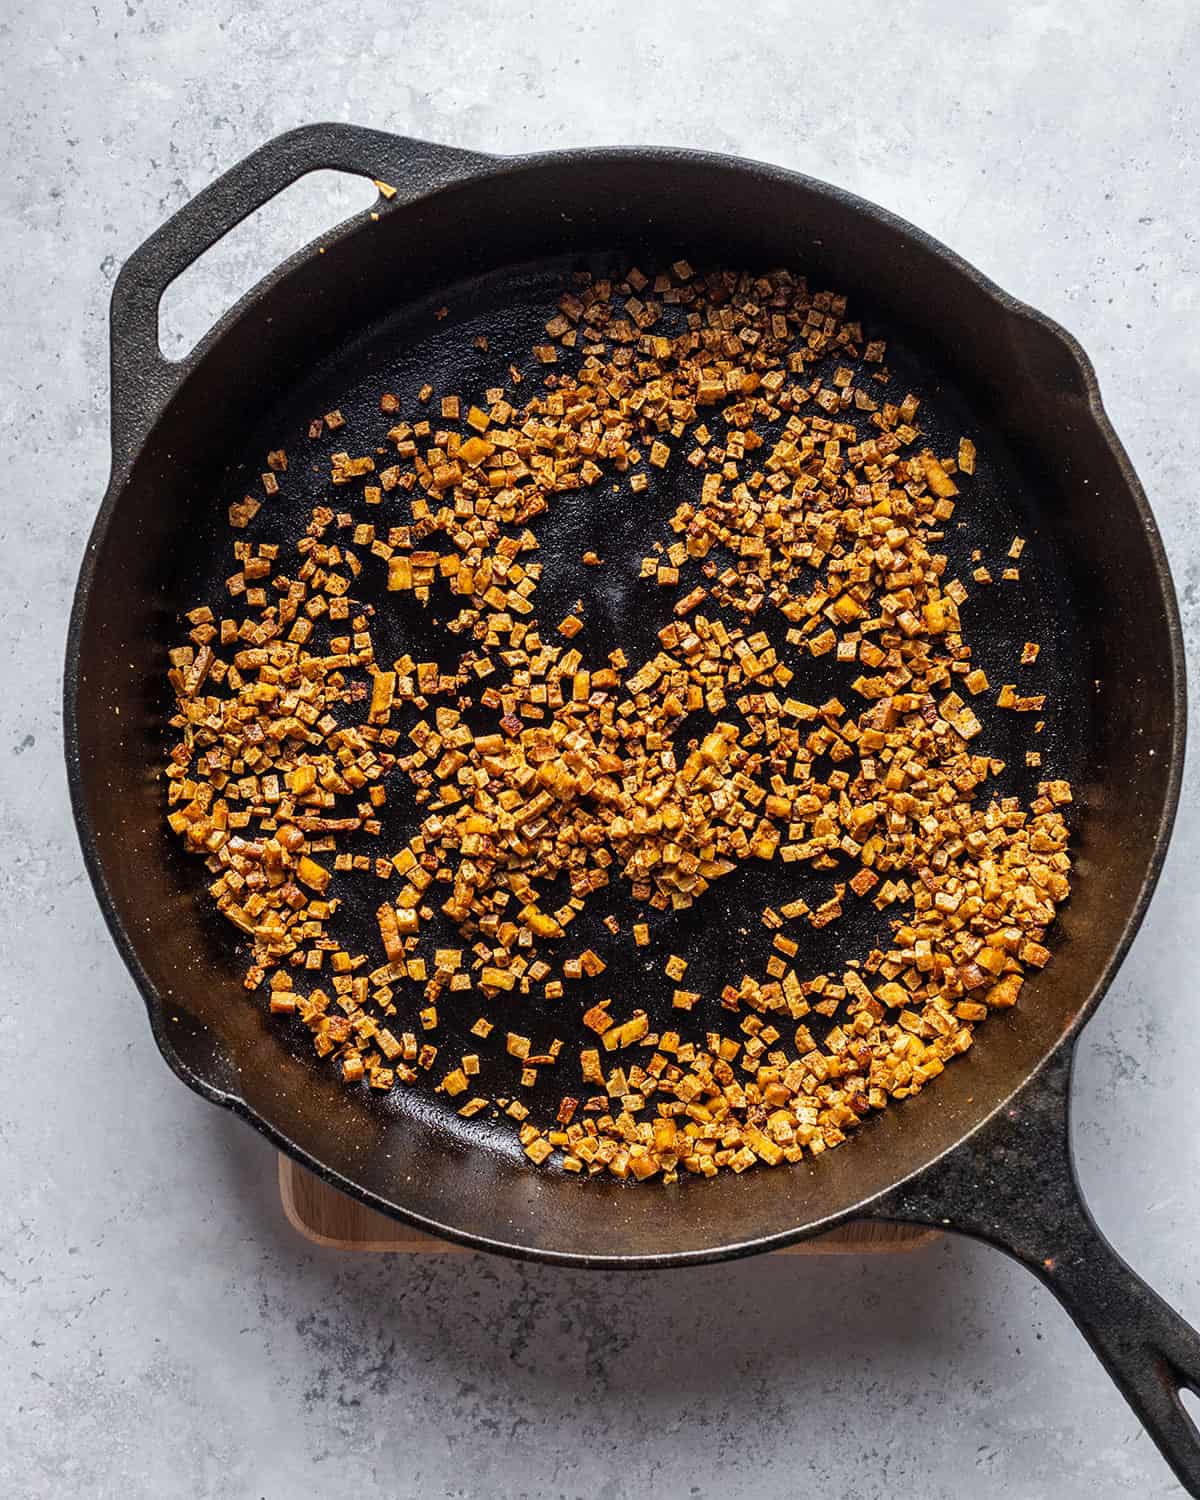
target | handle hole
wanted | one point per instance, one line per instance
(210, 286)
(1190, 1402)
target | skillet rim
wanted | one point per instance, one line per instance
(464, 168)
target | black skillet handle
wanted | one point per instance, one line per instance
(1014, 1185)
(142, 378)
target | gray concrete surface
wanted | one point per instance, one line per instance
(164, 1333)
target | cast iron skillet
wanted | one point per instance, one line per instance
(986, 1151)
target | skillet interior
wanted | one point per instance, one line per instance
(342, 326)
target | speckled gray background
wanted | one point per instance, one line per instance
(164, 1332)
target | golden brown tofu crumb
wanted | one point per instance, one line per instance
(795, 518)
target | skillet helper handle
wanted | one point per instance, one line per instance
(1014, 1185)
(143, 379)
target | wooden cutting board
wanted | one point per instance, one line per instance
(328, 1218)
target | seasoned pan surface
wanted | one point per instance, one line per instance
(722, 935)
